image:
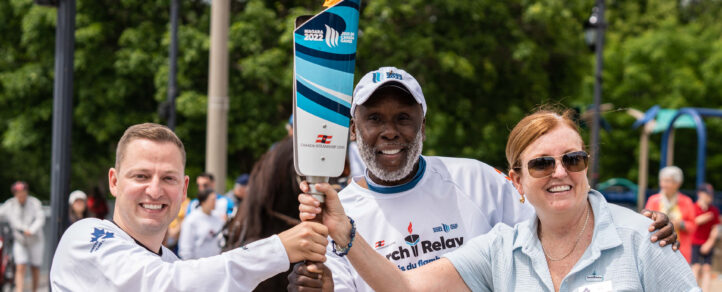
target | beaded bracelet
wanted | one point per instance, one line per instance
(342, 251)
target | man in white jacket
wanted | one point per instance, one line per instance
(126, 254)
(25, 215)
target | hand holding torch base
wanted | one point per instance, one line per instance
(312, 181)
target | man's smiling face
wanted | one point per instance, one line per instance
(149, 186)
(389, 128)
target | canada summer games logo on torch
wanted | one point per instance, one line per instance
(323, 139)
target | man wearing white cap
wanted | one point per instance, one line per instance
(411, 208)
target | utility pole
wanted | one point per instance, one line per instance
(599, 50)
(217, 121)
(62, 118)
(172, 60)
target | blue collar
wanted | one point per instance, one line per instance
(398, 188)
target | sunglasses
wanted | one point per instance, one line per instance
(544, 166)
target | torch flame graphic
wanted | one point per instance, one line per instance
(410, 229)
(329, 3)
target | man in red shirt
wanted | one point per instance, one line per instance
(703, 239)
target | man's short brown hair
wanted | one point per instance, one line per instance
(150, 131)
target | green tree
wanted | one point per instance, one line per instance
(482, 64)
(660, 52)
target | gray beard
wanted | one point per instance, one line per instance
(368, 155)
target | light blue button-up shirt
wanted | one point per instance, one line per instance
(619, 258)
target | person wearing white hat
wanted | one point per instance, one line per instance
(78, 209)
(410, 207)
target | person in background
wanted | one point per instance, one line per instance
(173, 234)
(97, 205)
(676, 205)
(356, 163)
(199, 238)
(289, 126)
(26, 218)
(704, 237)
(224, 207)
(78, 209)
(238, 192)
(270, 205)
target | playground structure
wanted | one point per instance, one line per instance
(656, 120)
(667, 157)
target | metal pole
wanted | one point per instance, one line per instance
(172, 60)
(217, 121)
(643, 167)
(599, 49)
(62, 120)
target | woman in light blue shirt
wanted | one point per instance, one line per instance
(577, 242)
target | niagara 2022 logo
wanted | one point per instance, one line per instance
(331, 36)
(313, 35)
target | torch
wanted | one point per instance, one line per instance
(324, 55)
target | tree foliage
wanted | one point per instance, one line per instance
(482, 65)
(665, 53)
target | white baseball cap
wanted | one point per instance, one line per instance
(384, 75)
(77, 194)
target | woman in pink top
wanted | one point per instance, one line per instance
(676, 205)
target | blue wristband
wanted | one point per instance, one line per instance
(342, 251)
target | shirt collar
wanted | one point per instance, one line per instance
(398, 188)
(160, 251)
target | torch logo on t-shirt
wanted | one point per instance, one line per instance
(412, 239)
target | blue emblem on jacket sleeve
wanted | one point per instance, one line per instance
(99, 235)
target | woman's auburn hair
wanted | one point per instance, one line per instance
(531, 128)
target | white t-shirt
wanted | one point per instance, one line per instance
(96, 255)
(199, 236)
(224, 207)
(454, 200)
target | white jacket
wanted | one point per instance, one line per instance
(199, 236)
(21, 217)
(96, 255)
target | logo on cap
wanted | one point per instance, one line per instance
(391, 74)
(378, 76)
